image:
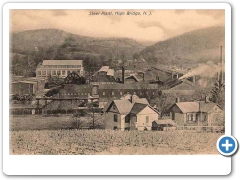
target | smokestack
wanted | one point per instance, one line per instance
(221, 60)
(123, 74)
(143, 76)
(177, 100)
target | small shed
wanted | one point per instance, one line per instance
(163, 125)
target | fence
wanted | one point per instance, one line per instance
(23, 112)
(202, 128)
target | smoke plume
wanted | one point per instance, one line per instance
(207, 70)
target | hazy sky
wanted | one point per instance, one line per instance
(161, 25)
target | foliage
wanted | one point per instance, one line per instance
(22, 97)
(218, 93)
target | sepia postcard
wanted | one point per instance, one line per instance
(118, 81)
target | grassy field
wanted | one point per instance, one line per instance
(90, 142)
(40, 122)
(43, 122)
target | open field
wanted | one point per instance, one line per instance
(40, 122)
(43, 122)
(89, 142)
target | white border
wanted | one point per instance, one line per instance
(123, 165)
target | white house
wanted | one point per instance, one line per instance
(59, 68)
(130, 114)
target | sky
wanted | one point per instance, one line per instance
(157, 25)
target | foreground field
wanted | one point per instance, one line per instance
(90, 142)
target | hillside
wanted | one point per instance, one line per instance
(72, 45)
(187, 49)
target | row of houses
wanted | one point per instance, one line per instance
(136, 114)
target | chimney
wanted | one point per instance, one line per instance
(143, 76)
(123, 74)
(177, 100)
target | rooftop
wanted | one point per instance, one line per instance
(127, 86)
(165, 121)
(202, 106)
(62, 62)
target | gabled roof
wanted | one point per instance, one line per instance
(135, 76)
(124, 106)
(141, 101)
(206, 107)
(62, 62)
(165, 121)
(187, 107)
(104, 69)
(137, 107)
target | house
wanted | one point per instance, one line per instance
(202, 113)
(163, 125)
(31, 86)
(130, 114)
(105, 75)
(59, 68)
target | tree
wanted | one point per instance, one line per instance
(77, 120)
(93, 116)
(218, 93)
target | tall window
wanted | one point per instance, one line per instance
(48, 73)
(112, 93)
(63, 72)
(147, 119)
(115, 117)
(68, 72)
(53, 72)
(44, 73)
(127, 119)
(58, 72)
(120, 93)
(39, 73)
(103, 93)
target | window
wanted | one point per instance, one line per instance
(134, 93)
(63, 72)
(103, 93)
(127, 128)
(147, 119)
(78, 71)
(53, 72)
(39, 73)
(115, 117)
(58, 72)
(120, 93)
(153, 93)
(127, 119)
(44, 73)
(115, 128)
(48, 73)
(190, 117)
(112, 93)
(68, 72)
